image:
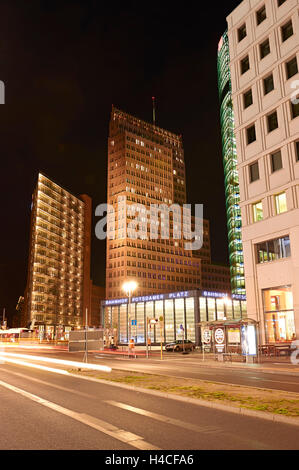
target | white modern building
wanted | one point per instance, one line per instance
(264, 64)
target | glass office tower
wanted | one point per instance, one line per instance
(232, 188)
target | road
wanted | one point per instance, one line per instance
(191, 366)
(44, 410)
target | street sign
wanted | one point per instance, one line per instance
(134, 322)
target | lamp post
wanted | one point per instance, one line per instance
(129, 288)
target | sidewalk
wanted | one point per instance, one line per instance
(269, 365)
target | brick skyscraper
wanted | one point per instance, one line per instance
(146, 166)
(58, 286)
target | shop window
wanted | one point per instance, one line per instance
(279, 314)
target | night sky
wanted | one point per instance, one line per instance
(64, 63)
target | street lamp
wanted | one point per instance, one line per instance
(129, 288)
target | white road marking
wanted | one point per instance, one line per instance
(164, 419)
(49, 384)
(95, 423)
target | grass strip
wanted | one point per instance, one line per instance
(271, 401)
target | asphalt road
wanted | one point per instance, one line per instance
(191, 366)
(44, 410)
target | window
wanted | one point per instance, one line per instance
(242, 33)
(248, 100)
(295, 107)
(297, 150)
(280, 2)
(292, 67)
(287, 31)
(276, 161)
(245, 65)
(273, 250)
(268, 84)
(264, 49)
(258, 213)
(254, 173)
(281, 203)
(261, 15)
(272, 122)
(251, 134)
(279, 314)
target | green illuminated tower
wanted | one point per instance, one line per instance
(232, 188)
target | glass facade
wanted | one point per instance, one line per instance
(183, 314)
(279, 314)
(123, 324)
(230, 169)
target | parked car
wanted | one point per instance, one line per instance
(180, 346)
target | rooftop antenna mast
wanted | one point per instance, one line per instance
(154, 110)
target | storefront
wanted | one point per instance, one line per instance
(182, 314)
(279, 315)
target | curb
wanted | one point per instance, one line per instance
(199, 402)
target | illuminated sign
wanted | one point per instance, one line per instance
(249, 346)
(175, 295)
(219, 336)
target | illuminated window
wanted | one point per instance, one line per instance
(281, 203)
(272, 250)
(258, 214)
(279, 314)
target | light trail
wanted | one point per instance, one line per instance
(34, 366)
(79, 365)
